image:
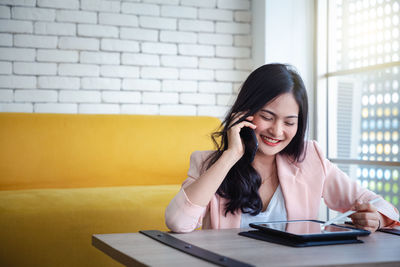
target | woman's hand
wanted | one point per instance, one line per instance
(235, 143)
(203, 188)
(367, 217)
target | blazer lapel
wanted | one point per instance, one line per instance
(294, 189)
(295, 193)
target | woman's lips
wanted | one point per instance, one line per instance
(270, 141)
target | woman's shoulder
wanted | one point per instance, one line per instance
(312, 147)
(200, 155)
(198, 159)
(312, 153)
(311, 162)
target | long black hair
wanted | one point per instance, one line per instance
(264, 84)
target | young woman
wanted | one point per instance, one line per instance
(288, 176)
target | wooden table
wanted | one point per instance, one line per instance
(135, 249)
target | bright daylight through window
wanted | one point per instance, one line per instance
(361, 79)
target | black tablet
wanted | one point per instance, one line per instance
(308, 230)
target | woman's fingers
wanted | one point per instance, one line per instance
(235, 127)
(363, 215)
(235, 143)
(237, 116)
(366, 217)
(366, 224)
(370, 225)
(365, 207)
(246, 123)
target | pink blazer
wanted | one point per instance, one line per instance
(303, 184)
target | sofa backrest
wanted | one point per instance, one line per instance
(75, 150)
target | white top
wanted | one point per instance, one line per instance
(276, 211)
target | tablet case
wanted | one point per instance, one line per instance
(257, 234)
(390, 231)
(393, 231)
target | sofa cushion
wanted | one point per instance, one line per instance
(53, 227)
(79, 150)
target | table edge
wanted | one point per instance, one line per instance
(114, 254)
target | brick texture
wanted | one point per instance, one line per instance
(175, 57)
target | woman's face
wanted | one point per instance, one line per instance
(277, 124)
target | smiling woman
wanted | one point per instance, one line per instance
(288, 176)
(277, 123)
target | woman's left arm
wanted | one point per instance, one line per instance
(341, 194)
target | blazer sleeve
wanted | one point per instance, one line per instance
(340, 193)
(181, 215)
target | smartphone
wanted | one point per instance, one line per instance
(250, 143)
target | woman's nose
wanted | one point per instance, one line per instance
(276, 129)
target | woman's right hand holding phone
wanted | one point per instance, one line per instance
(236, 147)
(203, 189)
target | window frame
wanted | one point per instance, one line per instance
(322, 87)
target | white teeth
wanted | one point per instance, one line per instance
(270, 140)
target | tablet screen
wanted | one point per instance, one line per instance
(303, 227)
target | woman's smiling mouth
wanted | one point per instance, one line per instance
(270, 141)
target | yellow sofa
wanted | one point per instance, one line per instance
(66, 177)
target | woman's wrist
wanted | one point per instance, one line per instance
(231, 157)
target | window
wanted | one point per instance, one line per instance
(357, 90)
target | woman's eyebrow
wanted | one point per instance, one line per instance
(273, 114)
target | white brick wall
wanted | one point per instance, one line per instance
(169, 57)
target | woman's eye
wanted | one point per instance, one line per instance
(266, 118)
(289, 123)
